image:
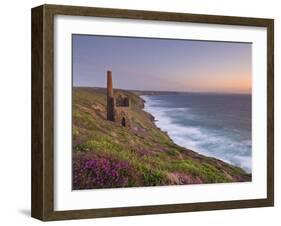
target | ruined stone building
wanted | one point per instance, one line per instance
(118, 104)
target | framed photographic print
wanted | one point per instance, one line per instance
(141, 112)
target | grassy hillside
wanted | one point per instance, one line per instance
(106, 154)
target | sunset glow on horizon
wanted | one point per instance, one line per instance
(162, 64)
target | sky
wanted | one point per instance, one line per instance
(162, 64)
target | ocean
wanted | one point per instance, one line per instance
(216, 125)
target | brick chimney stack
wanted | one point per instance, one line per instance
(110, 98)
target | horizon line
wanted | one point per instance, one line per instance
(171, 91)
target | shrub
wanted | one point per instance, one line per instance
(100, 172)
(81, 147)
(153, 177)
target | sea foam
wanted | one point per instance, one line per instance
(200, 139)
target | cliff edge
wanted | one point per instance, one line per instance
(107, 154)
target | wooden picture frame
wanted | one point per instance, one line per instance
(43, 111)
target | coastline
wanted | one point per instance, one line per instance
(175, 132)
(138, 154)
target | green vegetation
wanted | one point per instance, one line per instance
(139, 155)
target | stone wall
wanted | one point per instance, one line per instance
(122, 116)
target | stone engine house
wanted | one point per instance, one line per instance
(118, 104)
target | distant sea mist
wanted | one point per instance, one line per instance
(216, 125)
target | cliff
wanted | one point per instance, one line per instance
(106, 154)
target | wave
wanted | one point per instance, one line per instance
(198, 138)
